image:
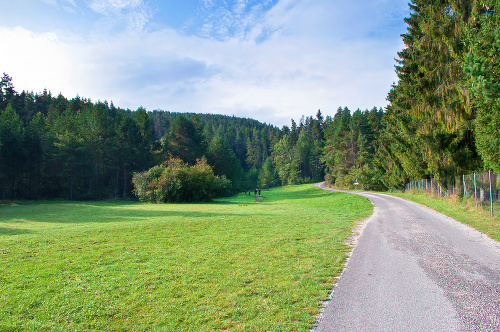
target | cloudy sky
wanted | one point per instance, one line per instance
(270, 60)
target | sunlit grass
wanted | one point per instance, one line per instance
(236, 264)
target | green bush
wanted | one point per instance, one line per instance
(367, 178)
(176, 181)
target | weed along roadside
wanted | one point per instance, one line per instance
(239, 263)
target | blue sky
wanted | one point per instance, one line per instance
(270, 60)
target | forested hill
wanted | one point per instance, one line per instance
(442, 121)
(54, 147)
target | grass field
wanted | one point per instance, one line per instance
(237, 264)
(462, 210)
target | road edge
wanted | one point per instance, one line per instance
(351, 241)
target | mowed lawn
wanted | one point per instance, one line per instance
(236, 264)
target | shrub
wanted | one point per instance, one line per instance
(175, 182)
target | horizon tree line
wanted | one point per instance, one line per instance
(442, 120)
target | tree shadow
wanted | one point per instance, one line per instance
(105, 212)
(14, 231)
(303, 194)
(71, 212)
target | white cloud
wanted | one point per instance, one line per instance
(50, 2)
(134, 13)
(35, 61)
(234, 19)
(106, 7)
(294, 59)
(56, 2)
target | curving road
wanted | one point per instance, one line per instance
(414, 269)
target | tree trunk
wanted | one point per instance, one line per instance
(117, 189)
(482, 195)
(124, 182)
(39, 177)
(30, 180)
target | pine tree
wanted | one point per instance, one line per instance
(285, 162)
(33, 141)
(267, 176)
(183, 140)
(12, 152)
(430, 93)
(7, 91)
(482, 65)
(221, 156)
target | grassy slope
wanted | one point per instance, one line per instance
(236, 264)
(461, 210)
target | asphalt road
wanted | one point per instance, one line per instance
(414, 269)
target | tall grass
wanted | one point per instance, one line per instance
(237, 264)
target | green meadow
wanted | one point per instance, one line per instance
(237, 264)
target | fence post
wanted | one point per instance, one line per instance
(491, 194)
(475, 190)
(465, 188)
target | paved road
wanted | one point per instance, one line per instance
(414, 269)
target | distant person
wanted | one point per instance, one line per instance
(259, 192)
(255, 192)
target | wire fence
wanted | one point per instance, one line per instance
(483, 189)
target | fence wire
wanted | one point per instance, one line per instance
(480, 189)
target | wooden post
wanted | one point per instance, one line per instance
(491, 194)
(475, 190)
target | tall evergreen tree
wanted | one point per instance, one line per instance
(72, 155)
(482, 65)
(430, 91)
(34, 137)
(267, 176)
(285, 161)
(183, 140)
(7, 91)
(339, 157)
(224, 161)
(12, 152)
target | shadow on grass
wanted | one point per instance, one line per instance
(120, 211)
(104, 212)
(272, 197)
(302, 192)
(14, 231)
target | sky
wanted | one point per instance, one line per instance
(269, 60)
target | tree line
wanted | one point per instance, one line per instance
(442, 120)
(54, 147)
(443, 117)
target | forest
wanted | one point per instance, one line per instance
(53, 147)
(442, 120)
(443, 117)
